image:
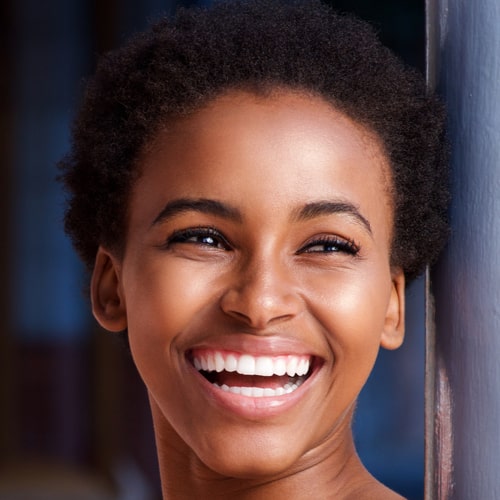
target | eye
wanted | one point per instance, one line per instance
(330, 244)
(202, 236)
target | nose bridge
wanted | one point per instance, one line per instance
(262, 291)
(265, 279)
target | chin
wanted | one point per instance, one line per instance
(264, 459)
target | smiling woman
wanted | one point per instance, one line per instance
(245, 213)
(257, 273)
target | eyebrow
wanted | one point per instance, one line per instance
(201, 205)
(326, 207)
(220, 209)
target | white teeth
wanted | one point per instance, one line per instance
(219, 362)
(264, 366)
(302, 367)
(245, 364)
(260, 392)
(291, 367)
(210, 363)
(279, 366)
(257, 392)
(231, 363)
(204, 364)
(247, 391)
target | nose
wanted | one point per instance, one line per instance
(261, 294)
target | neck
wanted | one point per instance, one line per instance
(331, 470)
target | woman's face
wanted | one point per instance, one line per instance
(256, 285)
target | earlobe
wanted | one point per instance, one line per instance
(108, 302)
(394, 327)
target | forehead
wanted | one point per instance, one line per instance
(280, 148)
(292, 113)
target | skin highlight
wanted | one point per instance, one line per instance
(261, 225)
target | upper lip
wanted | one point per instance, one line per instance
(257, 345)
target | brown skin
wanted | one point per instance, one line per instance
(265, 283)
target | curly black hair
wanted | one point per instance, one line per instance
(179, 65)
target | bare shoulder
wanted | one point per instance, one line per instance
(374, 491)
(366, 487)
(384, 493)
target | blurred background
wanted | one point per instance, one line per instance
(74, 417)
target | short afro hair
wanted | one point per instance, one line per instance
(179, 65)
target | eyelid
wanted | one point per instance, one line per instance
(183, 235)
(345, 245)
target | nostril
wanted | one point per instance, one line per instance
(240, 316)
(258, 310)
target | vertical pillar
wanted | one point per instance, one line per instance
(463, 424)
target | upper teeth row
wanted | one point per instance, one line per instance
(245, 364)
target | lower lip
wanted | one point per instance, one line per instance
(249, 407)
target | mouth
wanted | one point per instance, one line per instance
(252, 376)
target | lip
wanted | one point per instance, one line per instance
(257, 345)
(256, 408)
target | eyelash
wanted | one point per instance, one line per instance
(340, 245)
(336, 244)
(184, 235)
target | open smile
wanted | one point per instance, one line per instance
(252, 376)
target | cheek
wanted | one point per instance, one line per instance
(166, 303)
(352, 314)
(351, 308)
(160, 309)
(165, 297)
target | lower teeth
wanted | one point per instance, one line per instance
(260, 392)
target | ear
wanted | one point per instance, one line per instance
(108, 302)
(394, 327)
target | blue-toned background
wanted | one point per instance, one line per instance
(70, 401)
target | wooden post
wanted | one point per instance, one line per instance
(463, 371)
